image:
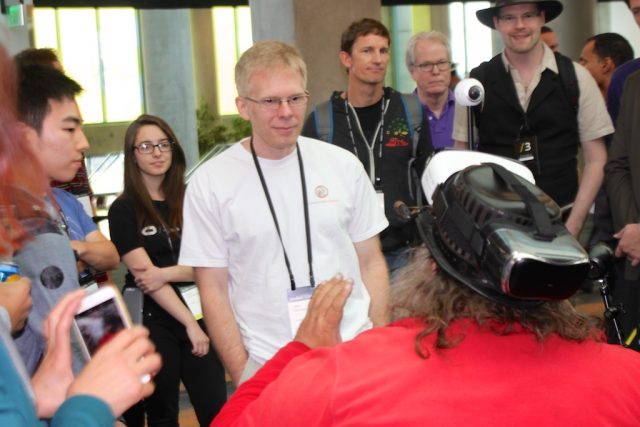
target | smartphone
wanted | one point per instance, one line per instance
(101, 315)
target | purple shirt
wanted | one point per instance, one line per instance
(616, 86)
(441, 128)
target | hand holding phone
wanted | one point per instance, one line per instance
(102, 314)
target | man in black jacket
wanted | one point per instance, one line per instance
(382, 127)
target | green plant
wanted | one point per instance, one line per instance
(214, 130)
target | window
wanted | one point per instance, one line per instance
(470, 40)
(232, 36)
(99, 48)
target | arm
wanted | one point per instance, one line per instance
(152, 278)
(96, 251)
(138, 261)
(220, 320)
(375, 276)
(595, 157)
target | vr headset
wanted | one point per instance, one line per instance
(499, 234)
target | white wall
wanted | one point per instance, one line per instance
(615, 17)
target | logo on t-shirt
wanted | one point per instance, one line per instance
(321, 191)
(149, 230)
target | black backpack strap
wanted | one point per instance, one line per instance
(569, 79)
(414, 116)
(323, 119)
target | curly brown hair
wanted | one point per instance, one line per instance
(424, 291)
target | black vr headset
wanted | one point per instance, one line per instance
(503, 237)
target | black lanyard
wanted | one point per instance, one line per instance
(275, 219)
(379, 131)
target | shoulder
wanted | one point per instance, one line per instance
(120, 204)
(221, 164)
(64, 197)
(321, 150)
(625, 70)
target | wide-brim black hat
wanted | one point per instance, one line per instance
(503, 237)
(551, 8)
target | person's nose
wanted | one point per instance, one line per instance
(284, 109)
(83, 143)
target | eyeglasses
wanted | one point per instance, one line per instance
(148, 147)
(273, 103)
(527, 18)
(425, 67)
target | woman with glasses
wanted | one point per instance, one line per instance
(145, 224)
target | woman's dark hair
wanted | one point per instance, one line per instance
(173, 185)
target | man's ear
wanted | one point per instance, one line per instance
(241, 105)
(608, 67)
(345, 59)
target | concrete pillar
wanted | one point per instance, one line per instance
(575, 24)
(204, 60)
(315, 28)
(167, 55)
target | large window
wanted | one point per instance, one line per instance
(470, 40)
(99, 48)
(232, 36)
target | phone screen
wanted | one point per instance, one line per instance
(99, 324)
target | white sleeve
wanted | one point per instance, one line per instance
(593, 118)
(203, 243)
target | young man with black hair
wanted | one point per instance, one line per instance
(52, 123)
(382, 127)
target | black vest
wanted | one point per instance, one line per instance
(550, 116)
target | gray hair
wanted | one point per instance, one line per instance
(435, 36)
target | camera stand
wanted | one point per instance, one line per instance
(601, 258)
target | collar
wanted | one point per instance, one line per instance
(548, 60)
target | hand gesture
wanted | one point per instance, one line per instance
(150, 279)
(321, 325)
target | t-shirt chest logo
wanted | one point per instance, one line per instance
(149, 230)
(321, 191)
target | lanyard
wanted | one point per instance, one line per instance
(375, 180)
(275, 219)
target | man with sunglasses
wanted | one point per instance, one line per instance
(539, 108)
(270, 218)
(382, 127)
(428, 59)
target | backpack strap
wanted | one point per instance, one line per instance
(414, 116)
(323, 119)
(569, 79)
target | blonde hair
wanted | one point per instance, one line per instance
(268, 55)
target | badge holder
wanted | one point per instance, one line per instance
(298, 303)
(526, 148)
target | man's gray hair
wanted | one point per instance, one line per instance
(435, 36)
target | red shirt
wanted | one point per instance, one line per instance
(378, 379)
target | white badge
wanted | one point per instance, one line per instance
(191, 296)
(298, 304)
(380, 196)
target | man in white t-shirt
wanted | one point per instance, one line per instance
(276, 214)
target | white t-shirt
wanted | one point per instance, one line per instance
(227, 223)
